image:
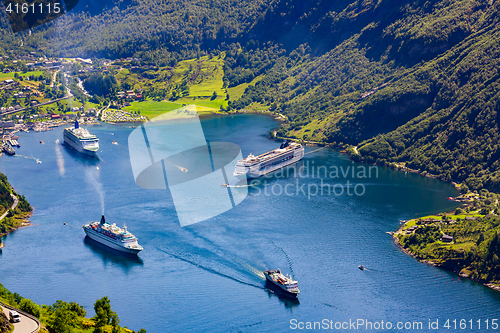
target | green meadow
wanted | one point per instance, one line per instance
(235, 93)
(192, 81)
(7, 76)
(151, 109)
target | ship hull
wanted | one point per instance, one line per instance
(69, 142)
(278, 288)
(95, 236)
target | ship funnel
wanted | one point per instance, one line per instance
(284, 144)
(103, 220)
(76, 124)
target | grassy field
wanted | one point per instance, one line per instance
(235, 93)
(206, 103)
(6, 76)
(413, 222)
(194, 81)
(152, 109)
(257, 107)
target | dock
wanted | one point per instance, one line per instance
(13, 142)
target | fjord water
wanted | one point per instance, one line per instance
(208, 277)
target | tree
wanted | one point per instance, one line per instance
(114, 322)
(30, 307)
(214, 96)
(464, 189)
(104, 315)
(62, 318)
(480, 239)
(78, 309)
(484, 211)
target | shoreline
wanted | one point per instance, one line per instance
(25, 223)
(431, 263)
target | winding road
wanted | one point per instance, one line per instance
(26, 325)
(14, 205)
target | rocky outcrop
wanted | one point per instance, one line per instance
(5, 325)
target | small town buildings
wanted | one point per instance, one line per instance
(447, 238)
(7, 124)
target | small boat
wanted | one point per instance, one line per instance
(41, 141)
(38, 162)
(8, 149)
(281, 283)
(361, 267)
(451, 198)
(115, 143)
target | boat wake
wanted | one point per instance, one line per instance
(241, 186)
(202, 251)
(29, 158)
(211, 270)
(290, 265)
(177, 166)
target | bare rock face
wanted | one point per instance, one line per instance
(5, 325)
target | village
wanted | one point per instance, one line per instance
(37, 94)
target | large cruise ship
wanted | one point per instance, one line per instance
(256, 166)
(81, 140)
(112, 236)
(282, 283)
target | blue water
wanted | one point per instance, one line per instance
(207, 277)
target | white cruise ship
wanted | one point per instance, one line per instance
(112, 236)
(256, 166)
(81, 140)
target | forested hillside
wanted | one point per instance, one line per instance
(15, 217)
(162, 30)
(412, 82)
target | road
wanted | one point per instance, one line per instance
(54, 78)
(14, 205)
(44, 103)
(26, 325)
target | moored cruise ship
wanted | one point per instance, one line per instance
(81, 140)
(112, 236)
(282, 283)
(256, 166)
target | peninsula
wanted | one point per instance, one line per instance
(14, 208)
(465, 241)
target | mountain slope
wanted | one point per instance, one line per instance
(113, 28)
(418, 84)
